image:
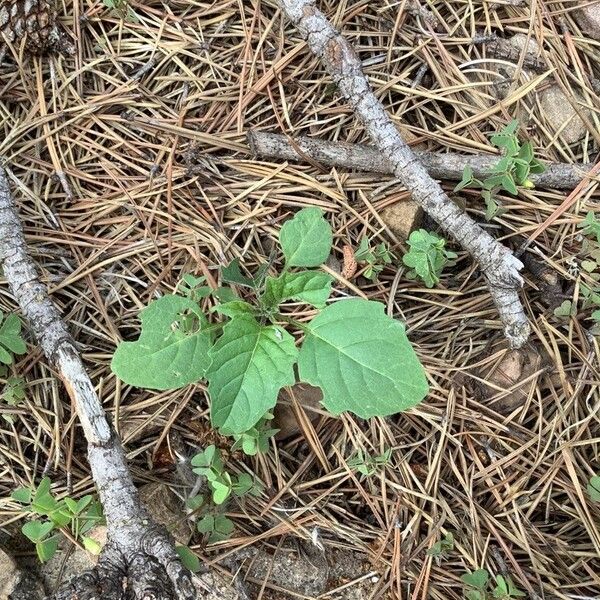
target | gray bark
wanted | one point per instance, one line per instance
(500, 266)
(448, 165)
(139, 560)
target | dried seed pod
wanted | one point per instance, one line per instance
(33, 20)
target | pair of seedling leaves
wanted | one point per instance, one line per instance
(359, 357)
(511, 172)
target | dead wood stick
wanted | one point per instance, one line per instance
(499, 265)
(138, 552)
(448, 165)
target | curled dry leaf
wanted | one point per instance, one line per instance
(287, 418)
(516, 372)
(350, 266)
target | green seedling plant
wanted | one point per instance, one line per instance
(256, 439)
(442, 547)
(427, 257)
(80, 516)
(373, 258)
(589, 270)
(245, 346)
(511, 172)
(209, 463)
(368, 465)
(478, 586)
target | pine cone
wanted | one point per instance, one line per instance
(33, 19)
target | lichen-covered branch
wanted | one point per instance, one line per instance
(447, 165)
(139, 560)
(500, 266)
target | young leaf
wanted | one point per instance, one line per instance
(306, 239)
(566, 309)
(36, 530)
(91, 545)
(250, 364)
(165, 357)
(478, 579)
(22, 495)
(311, 287)
(467, 179)
(46, 549)
(593, 488)
(188, 559)
(11, 341)
(232, 274)
(362, 360)
(235, 308)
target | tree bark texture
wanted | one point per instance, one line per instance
(139, 560)
(500, 266)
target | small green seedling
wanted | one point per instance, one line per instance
(368, 465)
(478, 584)
(375, 259)
(217, 527)
(445, 545)
(591, 226)
(11, 342)
(511, 172)
(209, 464)
(244, 347)
(427, 257)
(256, 439)
(593, 488)
(80, 516)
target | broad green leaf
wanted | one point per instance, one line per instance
(11, 341)
(71, 505)
(501, 589)
(508, 183)
(47, 548)
(36, 530)
(566, 309)
(536, 166)
(164, 356)
(478, 579)
(306, 239)
(195, 502)
(593, 488)
(220, 490)
(312, 287)
(362, 360)
(188, 559)
(243, 484)
(250, 364)
(22, 495)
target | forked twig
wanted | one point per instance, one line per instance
(500, 266)
(139, 560)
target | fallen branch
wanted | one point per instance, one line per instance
(449, 166)
(500, 266)
(139, 560)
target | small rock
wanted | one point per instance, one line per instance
(285, 419)
(561, 116)
(166, 509)
(402, 217)
(9, 575)
(588, 18)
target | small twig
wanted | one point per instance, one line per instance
(138, 551)
(449, 165)
(500, 267)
